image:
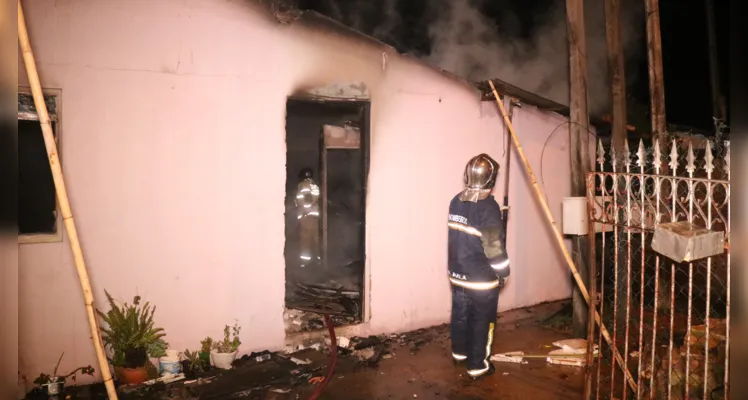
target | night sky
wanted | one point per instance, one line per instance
(684, 43)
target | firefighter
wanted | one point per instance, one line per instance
(307, 208)
(478, 265)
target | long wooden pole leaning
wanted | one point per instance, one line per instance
(557, 234)
(62, 197)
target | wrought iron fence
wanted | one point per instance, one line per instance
(667, 323)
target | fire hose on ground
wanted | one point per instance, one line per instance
(333, 359)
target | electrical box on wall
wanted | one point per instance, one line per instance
(575, 218)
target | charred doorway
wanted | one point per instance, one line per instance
(326, 175)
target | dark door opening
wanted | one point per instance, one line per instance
(326, 175)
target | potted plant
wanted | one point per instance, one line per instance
(224, 351)
(53, 384)
(192, 364)
(206, 346)
(132, 339)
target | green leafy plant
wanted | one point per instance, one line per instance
(131, 335)
(195, 364)
(158, 348)
(43, 379)
(230, 343)
(206, 344)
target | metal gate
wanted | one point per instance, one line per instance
(669, 322)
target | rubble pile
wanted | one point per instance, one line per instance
(697, 339)
(307, 303)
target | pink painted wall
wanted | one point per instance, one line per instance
(161, 99)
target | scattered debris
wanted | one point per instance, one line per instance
(364, 354)
(301, 362)
(281, 391)
(717, 333)
(199, 381)
(362, 343)
(262, 358)
(308, 303)
(571, 352)
(144, 389)
(562, 357)
(317, 379)
(511, 357)
(370, 356)
(153, 384)
(343, 342)
(575, 346)
(568, 352)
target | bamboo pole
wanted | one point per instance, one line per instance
(559, 237)
(62, 197)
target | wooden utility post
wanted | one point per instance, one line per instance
(656, 80)
(579, 139)
(718, 102)
(618, 105)
(616, 73)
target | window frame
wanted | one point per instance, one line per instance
(56, 119)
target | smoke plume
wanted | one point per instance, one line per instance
(464, 40)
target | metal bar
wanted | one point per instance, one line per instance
(615, 276)
(602, 283)
(709, 194)
(672, 327)
(673, 218)
(658, 188)
(505, 213)
(729, 241)
(690, 168)
(642, 190)
(592, 262)
(727, 321)
(628, 271)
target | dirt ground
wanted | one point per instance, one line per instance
(414, 365)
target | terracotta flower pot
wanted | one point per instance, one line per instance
(131, 375)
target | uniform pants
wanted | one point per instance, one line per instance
(473, 321)
(308, 240)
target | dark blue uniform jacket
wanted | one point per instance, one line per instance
(468, 223)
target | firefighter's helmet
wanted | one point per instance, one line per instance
(480, 177)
